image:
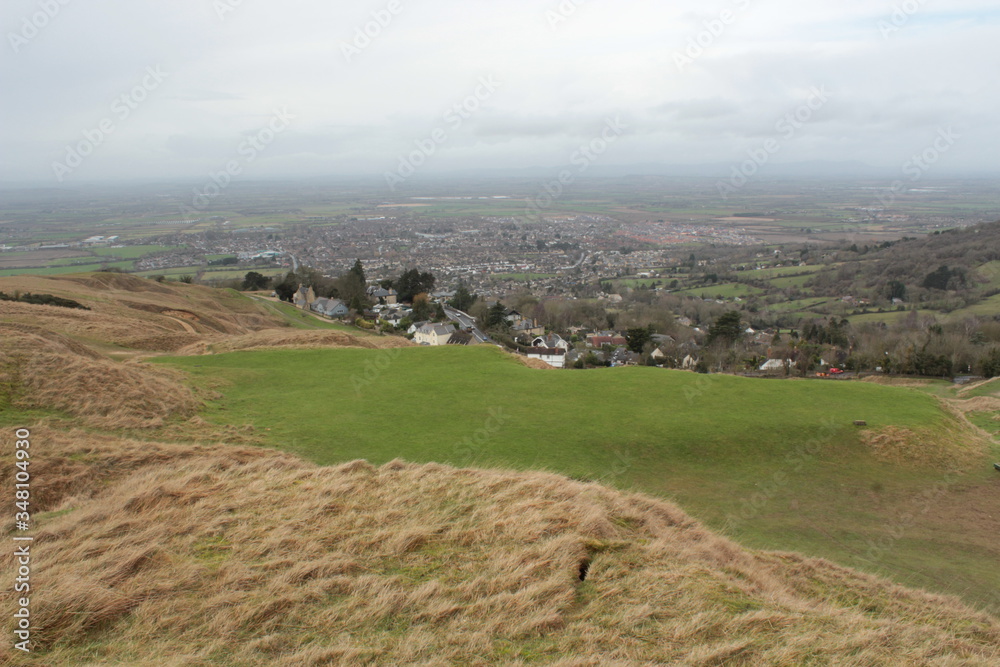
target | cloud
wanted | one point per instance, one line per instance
(560, 80)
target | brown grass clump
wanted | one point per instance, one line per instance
(47, 371)
(183, 555)
(284, 338)
(537, 364)
(978, 404)
(954, 444)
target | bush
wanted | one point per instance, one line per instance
(990, 364)
(43, 300)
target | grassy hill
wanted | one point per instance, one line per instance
(531, 524)
(776, 464)
(152, 553)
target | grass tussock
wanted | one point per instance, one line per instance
(167, 554)
(47, 371)
(284, 338)
(954, 443)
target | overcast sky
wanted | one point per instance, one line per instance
(286, 89)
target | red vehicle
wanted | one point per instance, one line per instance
(836, 371)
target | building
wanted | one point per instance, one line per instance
(304, 297)
(553, 357)
(552, 341)
(334, 308)
(433, 334)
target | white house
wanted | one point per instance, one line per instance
(552, 341)
(433, 334)
(773, 365)
(553, 357)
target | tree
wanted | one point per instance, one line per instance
(422, 308)
(463, 299)
(728, 328)
(944, 278)
(358, 270)
(287, 288)
(412, 283)
(496, 316)
(990, 365)
(896, 290)
(254, 281)
(638, 338)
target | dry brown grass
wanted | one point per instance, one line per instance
(291, 338)
(43, 370)
(896, 382)
(953, 444)
(978, 404)
(537, 364)
(133, 312)
(161, 554)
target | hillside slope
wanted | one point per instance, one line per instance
(178, 555)
(163, 538)
(130, 315)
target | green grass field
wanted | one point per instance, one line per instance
(134, 251)
(59, 270)
(776, 464)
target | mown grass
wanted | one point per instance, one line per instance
(777, 464)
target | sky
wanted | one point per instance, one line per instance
(108, 90)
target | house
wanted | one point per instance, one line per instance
(689, 362)
(553, 357)
(304, 298)
(462, 338)
(393, 317)
(434, 334)
(658, 355)
(552, 341)
(622, 357)
(600, 340)
(333, 308)
(528, 328)
(776, 365)
(386, 296)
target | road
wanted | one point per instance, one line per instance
(466, 321)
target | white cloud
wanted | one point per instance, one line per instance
(889, 92)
